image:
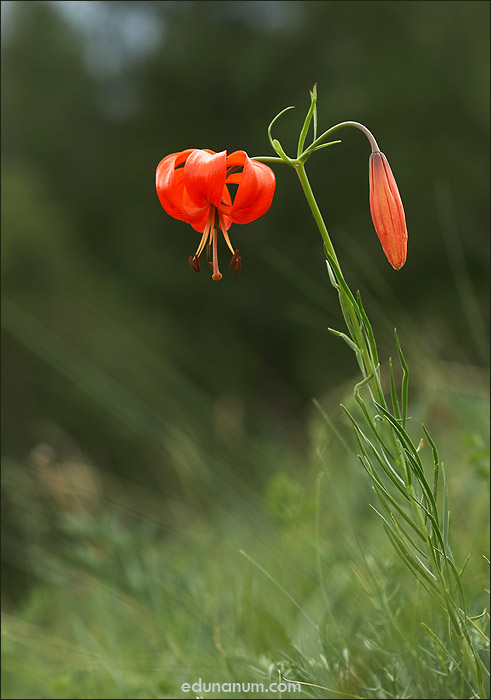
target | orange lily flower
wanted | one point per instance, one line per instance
(387, 211)
(193, 186)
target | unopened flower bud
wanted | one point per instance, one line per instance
(387, 210)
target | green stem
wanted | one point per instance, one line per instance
(349, 305)
(316, 213)
(269, 159)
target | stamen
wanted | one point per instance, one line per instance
(194, 262)
(210, 222)
(237, 261)
(234, 258)
(210, 240)
(238, 264)
(202, 243)
(221, 223)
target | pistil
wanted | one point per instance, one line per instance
(217, 275)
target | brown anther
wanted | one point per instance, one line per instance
(235, 257)
(194, 262)
(208, 252)
(237, 261)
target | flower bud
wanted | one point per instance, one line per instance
(387, 210)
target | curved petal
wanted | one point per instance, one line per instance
(237, 159)
(167, 186)
(200, 221)
(255, 192)
(204, 175)
(226, 198)
(170, 185)
(234, 179)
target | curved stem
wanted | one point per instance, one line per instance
(357, 125)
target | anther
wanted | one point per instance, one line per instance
(235, 256)
(237, 261)
(194, 262)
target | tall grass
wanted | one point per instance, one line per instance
(135, 595)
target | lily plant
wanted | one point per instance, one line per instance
(193, 186)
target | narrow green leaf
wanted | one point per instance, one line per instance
(383, 493)
(368, 328)
(273, 121)
(356, 390)
(279, 150)
(415, 462)
(458, 582)
(324, 145)
(440, 644)
(446, 512)
(389, 471)
(412, 454)
(461, 572)
(436, 462)
(306, 124)
(314, 90)
(413, 564)
(476, 617)
(371, 423)
(331, 275)
(457, 665)
(395, 402)
(342, 283)
(347, 340)
(405, 375)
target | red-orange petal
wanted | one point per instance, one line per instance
(172, 193)
(236, 159)
(255, 192)
(170, 185)
(204, 175)
(387, 210)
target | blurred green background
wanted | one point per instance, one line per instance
(155, 422)
(116, 355)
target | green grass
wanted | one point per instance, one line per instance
(135, 594)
